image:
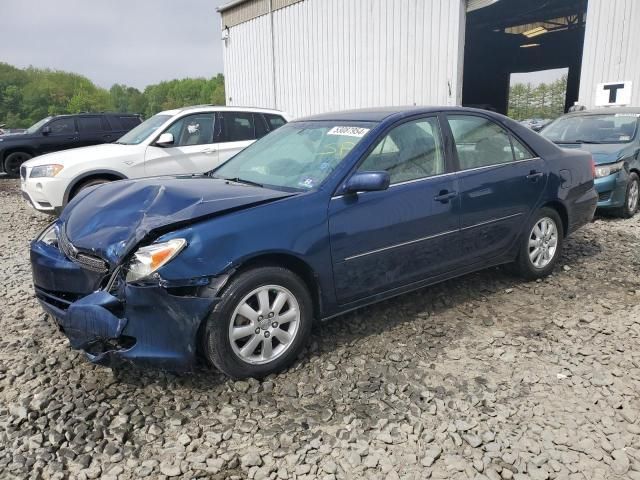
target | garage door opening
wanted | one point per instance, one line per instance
(518, 36)
(539, 96)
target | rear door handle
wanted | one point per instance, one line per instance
(209, 151)
(444, 196)
(534, 176)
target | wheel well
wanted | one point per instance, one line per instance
(9, 151)
(83, 180)
(297, 266)
(564, 215)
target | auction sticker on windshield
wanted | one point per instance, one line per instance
(349, 131)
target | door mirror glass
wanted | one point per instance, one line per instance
(165, 140)
(46, 130)
(367, 182)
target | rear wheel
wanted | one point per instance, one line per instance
(261, 324)
(13, 161)
(541, 245)
(632, 197)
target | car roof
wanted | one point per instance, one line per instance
(605, 111)
(380, 114)
(113, 114)
(219, 108)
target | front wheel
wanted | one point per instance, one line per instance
(261, 324)
(541, 245)
(632, 196)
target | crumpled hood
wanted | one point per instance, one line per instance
(602, 153)
(111, 219)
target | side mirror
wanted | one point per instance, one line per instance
(367, 182)
(46, 130)
(165, 140)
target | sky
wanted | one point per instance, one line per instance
(135, 42)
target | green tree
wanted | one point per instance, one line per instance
(28, 95)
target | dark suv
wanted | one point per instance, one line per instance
(60, 133)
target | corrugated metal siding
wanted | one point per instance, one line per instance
(339, 54)
(248, 66)
(611, 48)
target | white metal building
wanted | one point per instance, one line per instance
(311, 56)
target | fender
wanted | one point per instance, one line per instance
(88, 174)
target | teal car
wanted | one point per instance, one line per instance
(611, 136)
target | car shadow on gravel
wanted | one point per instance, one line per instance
(439, 304)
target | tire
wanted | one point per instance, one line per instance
(550, 243)
(12, 162)
(86, 184)
(630, 206)
(246, 355)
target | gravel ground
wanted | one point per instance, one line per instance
(483, 377)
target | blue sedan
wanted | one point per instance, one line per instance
(324, 215)
(611, 135)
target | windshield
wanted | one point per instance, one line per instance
(298, 156)
(36, 126)
(609, 128)
(144, 130)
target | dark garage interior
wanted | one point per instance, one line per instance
(517, 36)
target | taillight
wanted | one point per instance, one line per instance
(593, 168)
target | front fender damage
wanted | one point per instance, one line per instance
(153, 325)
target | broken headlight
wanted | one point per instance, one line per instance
(149, 259)
(49, 235)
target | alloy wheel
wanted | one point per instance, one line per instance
(264, 324)
(634, 195)
(543, 242)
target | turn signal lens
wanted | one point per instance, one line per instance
(149, 259)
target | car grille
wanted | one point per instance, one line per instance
(23, 173)
(90, 262)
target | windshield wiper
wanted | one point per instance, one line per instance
(585, 141)
(242, 180)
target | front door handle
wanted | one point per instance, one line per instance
(444, 196)
(209, 151)
(534, 175)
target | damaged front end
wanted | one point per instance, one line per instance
(152, 323)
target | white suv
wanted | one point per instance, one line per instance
(183, 141)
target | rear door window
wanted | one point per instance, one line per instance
(129, 122)
(481, 142)
(89, 124)
(238, 127)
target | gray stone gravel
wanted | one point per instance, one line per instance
(483, 377)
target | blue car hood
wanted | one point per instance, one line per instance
(602, 152)
(111, 219)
